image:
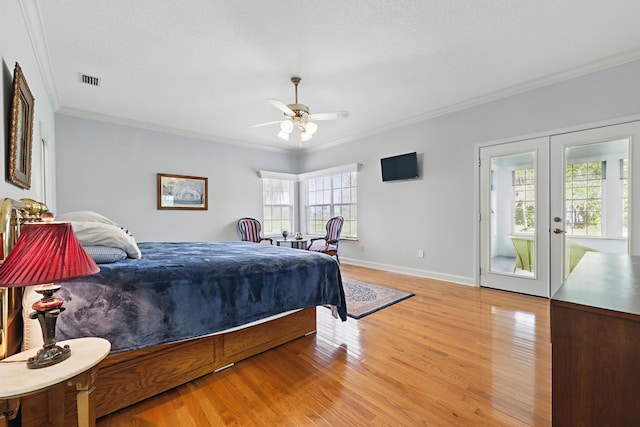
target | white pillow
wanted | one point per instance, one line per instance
(100, 234)
(86, 216)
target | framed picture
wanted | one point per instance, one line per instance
(20, 143)
(182, 192)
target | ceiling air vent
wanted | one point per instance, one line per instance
(93, 81)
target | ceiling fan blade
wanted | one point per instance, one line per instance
(265, 124)
(329, 116)
(282, 107)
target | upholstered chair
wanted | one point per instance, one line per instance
(250, 230)
(329, 243)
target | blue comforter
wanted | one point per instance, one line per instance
(183, 290)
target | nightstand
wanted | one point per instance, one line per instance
(78, 370)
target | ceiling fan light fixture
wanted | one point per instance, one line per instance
(286, 126)
(297, 115)
(305, 136)
(311, 127)
(283, 135)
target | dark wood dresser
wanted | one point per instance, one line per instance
(595, 343)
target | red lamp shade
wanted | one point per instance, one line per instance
(46, 253)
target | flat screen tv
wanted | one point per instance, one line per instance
(398, 168)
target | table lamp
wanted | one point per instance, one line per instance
(44, 254)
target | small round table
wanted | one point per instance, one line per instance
(79, 370)
(295, 243)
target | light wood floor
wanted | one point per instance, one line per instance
(452, 355)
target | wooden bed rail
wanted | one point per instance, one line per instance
(13, 213)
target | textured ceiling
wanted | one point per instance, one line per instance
(205, 68)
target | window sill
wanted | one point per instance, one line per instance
(573, 236)
(314, 236)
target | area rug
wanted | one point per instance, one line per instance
(365, 298)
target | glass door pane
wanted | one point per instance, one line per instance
(513, 214)
(595, 200)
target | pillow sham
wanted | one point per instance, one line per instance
(105, 254)
(88, 216)
(100, 234)
(85, 216)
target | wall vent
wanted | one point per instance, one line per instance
(90, 80)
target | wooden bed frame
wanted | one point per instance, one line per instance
(130, 377)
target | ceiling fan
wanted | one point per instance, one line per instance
(298, 115)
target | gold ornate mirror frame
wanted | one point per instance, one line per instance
(20, 147)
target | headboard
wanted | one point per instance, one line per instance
(13, 213)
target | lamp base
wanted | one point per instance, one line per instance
(49, 355)
(47, 311)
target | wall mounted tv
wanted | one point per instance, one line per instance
(399, 168)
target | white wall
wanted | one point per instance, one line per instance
(111, 169)
(15, 46)
(436, 212)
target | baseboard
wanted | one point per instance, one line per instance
(461, 280)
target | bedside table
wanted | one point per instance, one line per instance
(78, 370)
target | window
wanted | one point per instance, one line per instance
(278, 205)
(583, 194)
(330, 193)
(524, 201)
(319, 206)
(325, 193)
(624, 180)
(345, 202)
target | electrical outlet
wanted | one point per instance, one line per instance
(420, 253)
(361, 247)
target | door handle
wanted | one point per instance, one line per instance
(558, 231)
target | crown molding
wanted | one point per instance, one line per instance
(83, 114)
(33, 21)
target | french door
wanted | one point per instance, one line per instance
(546, 202)
(591, 208)
(514, 183)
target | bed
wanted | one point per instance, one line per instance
(206, 305)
